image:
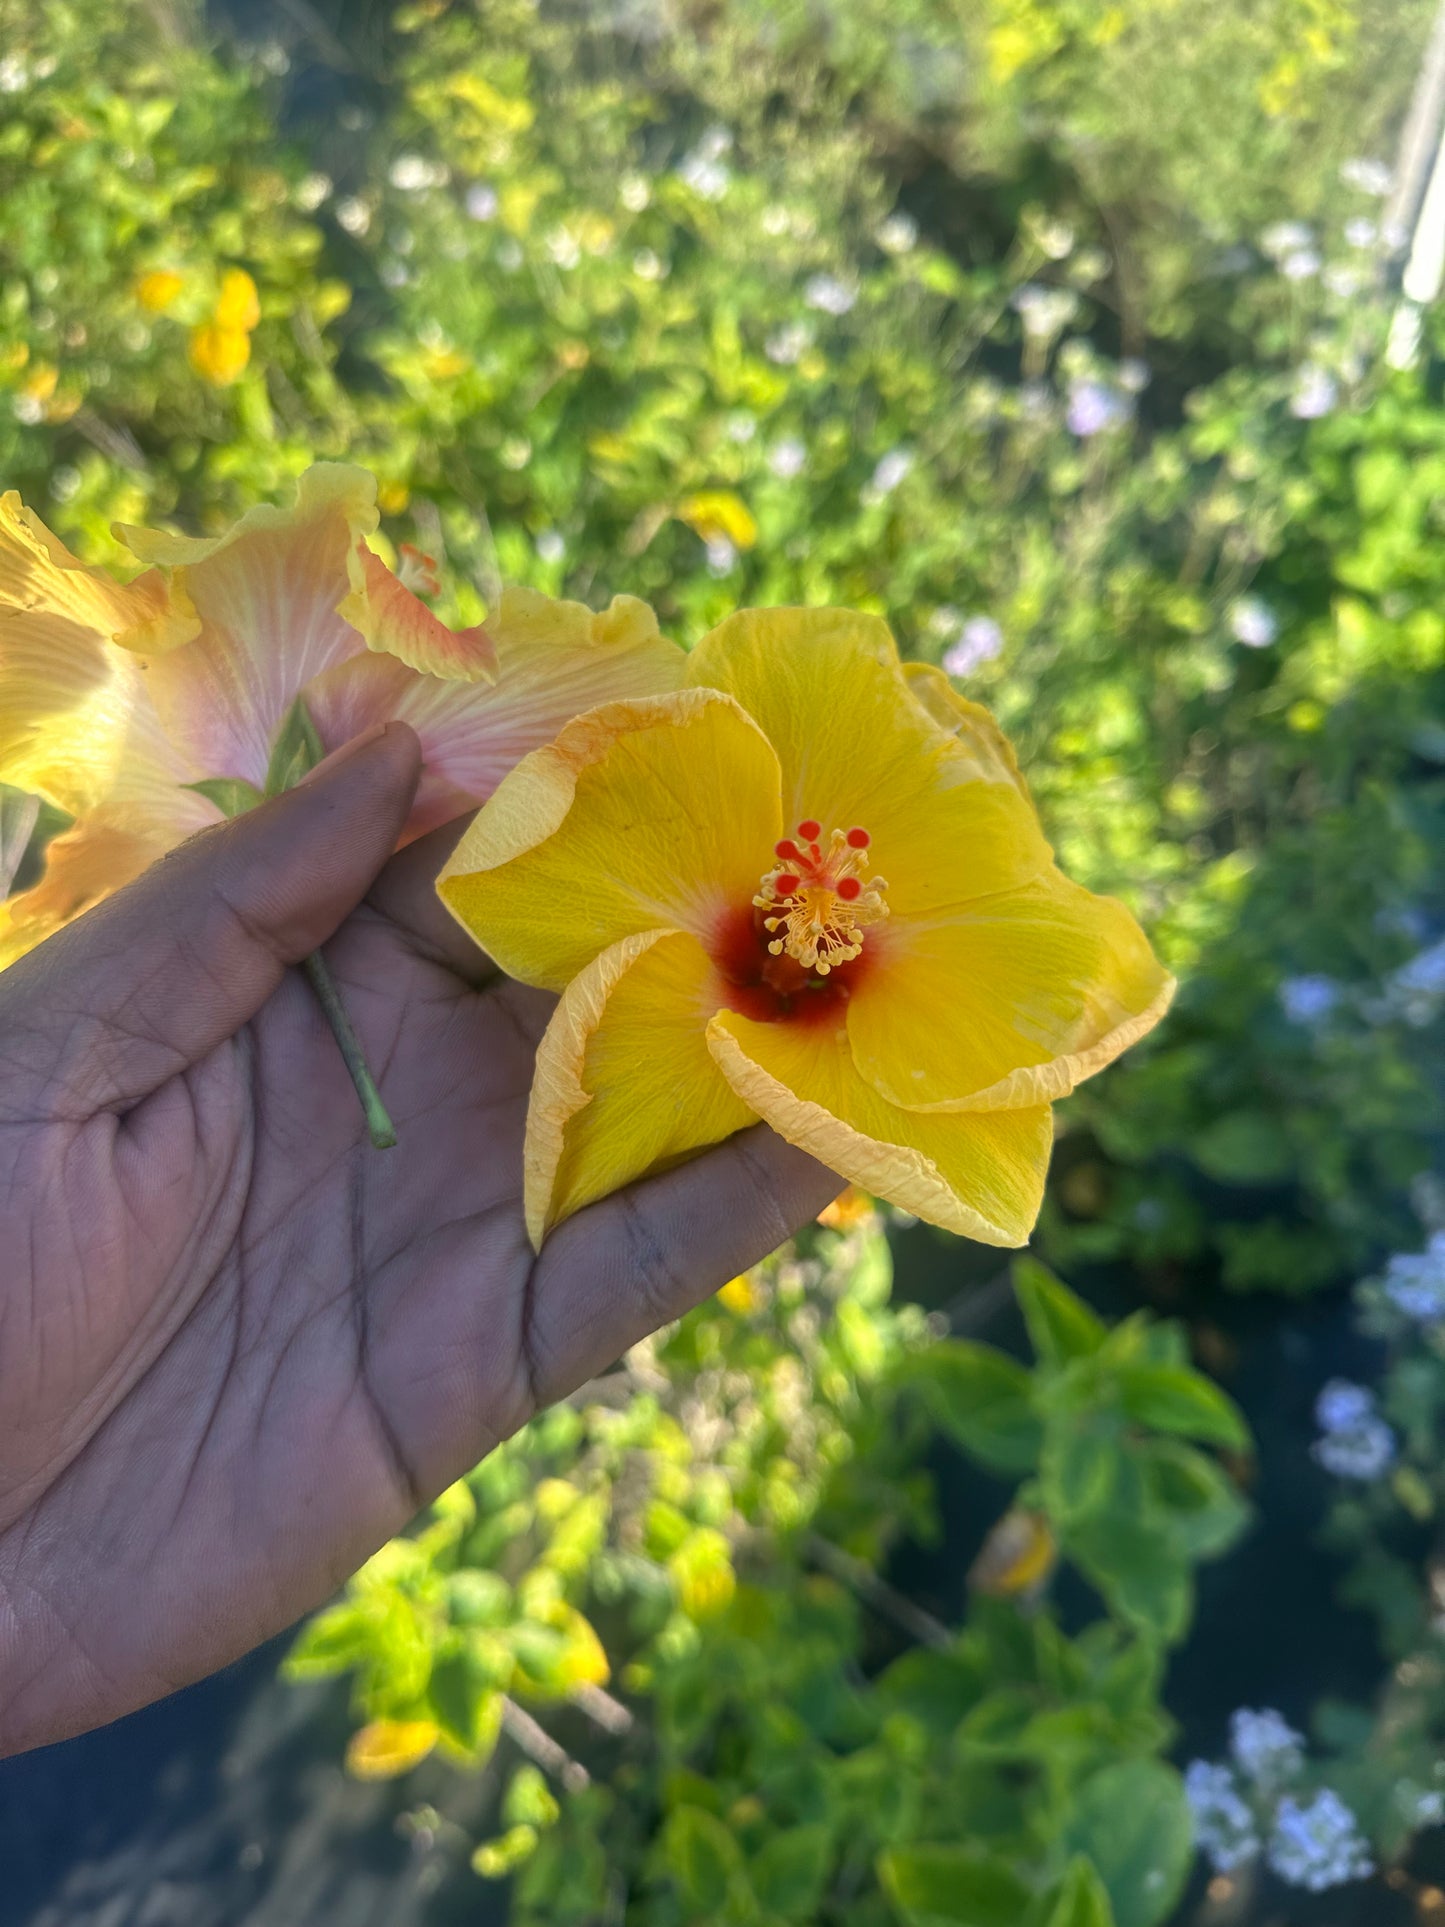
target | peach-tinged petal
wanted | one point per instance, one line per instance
(392, 619)
(265, 596)
(979, 1174)
(1005, 1001)
(101, 854)
(73, 709)
(555, 660)
(857, 747)
(645, 815)
(625, 1084)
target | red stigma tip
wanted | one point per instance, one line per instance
(809, 830)
(858, 839)
(785, 884)
(848, 888)
(788, 849)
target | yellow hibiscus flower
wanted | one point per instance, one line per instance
(117, 700)
(808, 886)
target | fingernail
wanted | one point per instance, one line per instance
(341, 755)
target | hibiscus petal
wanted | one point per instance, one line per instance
(555, 660)
(103, 852)
(72, 707)
(979, 1174)
(970, 724)
(648, 815)
(857, 747)
(1005, 1001)
(625, 1084)
(265, 595)
(392, 619)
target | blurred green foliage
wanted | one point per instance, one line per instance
(1052, 332)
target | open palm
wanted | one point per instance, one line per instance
(238, 1347)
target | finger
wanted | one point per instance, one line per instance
(406, 895)
(161, 973)
(644, 1256)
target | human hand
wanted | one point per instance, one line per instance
(238, 1347)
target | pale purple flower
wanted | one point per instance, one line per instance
(1357, 1443)
(1317, 1843)
(1308, 1000)
(1093, 407)
(980, 640)
(1252, 622)
(1315, 393)
(1224, 1829)
(1424, 975)
(1414, 1282)
(1343, 1406)
(1266, 1748)
(891, 470)
(829, 295)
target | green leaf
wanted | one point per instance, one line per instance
(1203, 1511)
(948, 1886)
(1132, 1821)
(1080, 1468)
(1082, 1900)
(336, 1639)
(980, 1397)
(466, 1707)
(1175, 1398)
(1137, 1569)
(296, 750)
(232, 795)
(789, 1870)
(1061, 1326)
(19, 813)
(529, 1801)
(703, 1858)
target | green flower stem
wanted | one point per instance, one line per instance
(378, 1124)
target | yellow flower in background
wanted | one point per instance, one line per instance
(1017, 1558)
(237, 305)
(40, 384)
(118, 699)
(158, 289)
(219, 355)
(719, 515)
(740, 1295)
(807, 887)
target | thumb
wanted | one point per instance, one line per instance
(168, 968)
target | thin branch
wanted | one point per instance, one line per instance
(877, 1593)
(537, 1743)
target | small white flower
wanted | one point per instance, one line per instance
(898, 233)
(562, 248)
(635, 192)
(1133, 375)
(274, 58)
(1361, 232)
(353, 214)
(827, 293)
(1370, 177)
(1044, 311)
(411, 173)
(1343, 279)
(1302, 265)
(1265, 1746)
(1056, 239)
(1317, 1843)
(1286, 237)
(703, 168)
(395, 274)
(28, 410)
(775, 221)
(1308, 1000)
(646, 266)
(786, 458)
(550, 546)
(721, 556)
(481, 202)
(1224, 1829)
(509, 253)
(312, 191)
(14, 74)
(980, 640)
(787, 345)
(65, 483)
(742, 426)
